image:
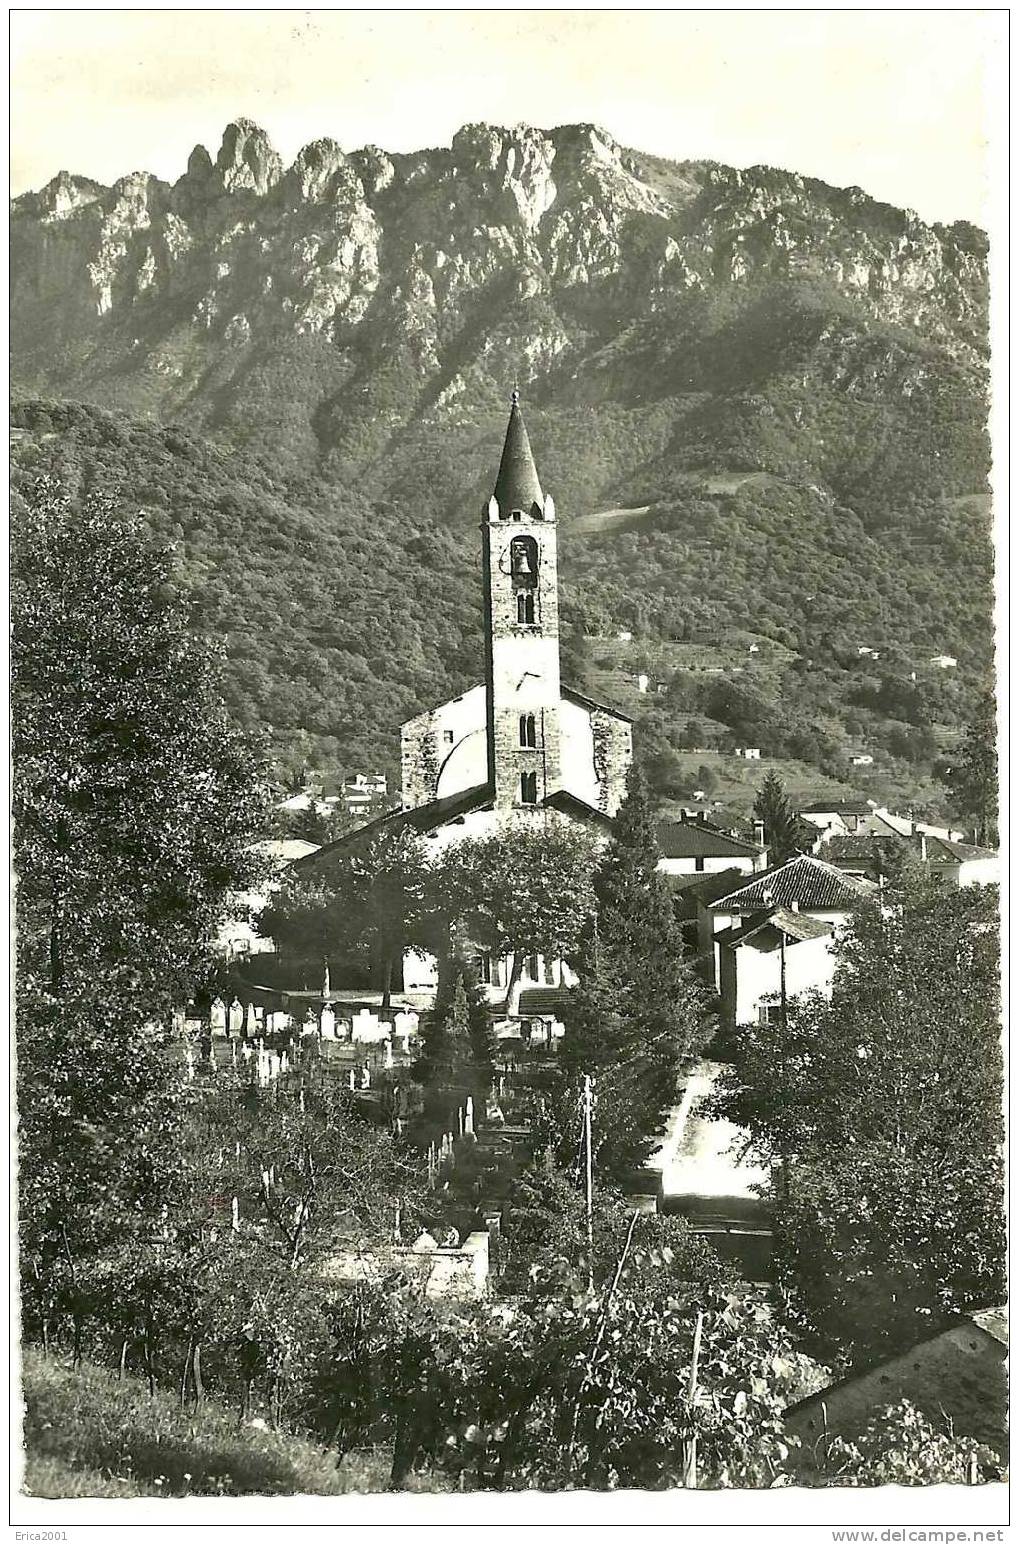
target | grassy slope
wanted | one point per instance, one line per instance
(89, 1435)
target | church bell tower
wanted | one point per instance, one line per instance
(521, 629)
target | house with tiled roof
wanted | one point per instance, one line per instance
(695, 846)
(764, 962)
(867, 856)
(802, 884)
(772, 936)
(960, 863)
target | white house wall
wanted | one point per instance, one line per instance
(744, 865)
(809, 966)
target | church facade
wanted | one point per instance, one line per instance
(519, 747)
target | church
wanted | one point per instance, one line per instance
(519, 746)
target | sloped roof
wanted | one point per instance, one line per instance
(837, 807)
(350, 841)
(285, 849)
(815, 885)
(868, 846)
(517, 486)
(959, 852)
(574, 696)
(440, 812)
(697, 839)
(705, 887)
(427, 818)
(994, 1322)
(795, 925)
(572, 804)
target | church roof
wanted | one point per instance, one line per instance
(572, 804)
(573, 696)
(440, 812)
(517, 486)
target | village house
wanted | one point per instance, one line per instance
(959, 863)
(867, 818)
(364, 792)
(520, 748)
(772, 937)
(695, 846)
(765, 962)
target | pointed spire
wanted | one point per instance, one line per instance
(517, 486)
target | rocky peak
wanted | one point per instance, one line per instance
(425, 256)
(247, 160)
(314, 171)
(62, 196)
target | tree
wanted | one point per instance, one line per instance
(638, 1013)
(518, 892)
(546, 1241)
(782, 826)
(883, 1108)
(134, 804)
(368, 901)
(458, 1042)
(133, 796)
(973, 779)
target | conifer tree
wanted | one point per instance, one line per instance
(782, 825)
(973, 779)
(637, 1014)
(459, 1046)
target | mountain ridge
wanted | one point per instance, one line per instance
(784, 374)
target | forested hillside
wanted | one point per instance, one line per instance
(759, 402)
(342, 616)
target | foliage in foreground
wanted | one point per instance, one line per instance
(134, 803)
(884, 1109)
(901, 1446)
(592, 1388)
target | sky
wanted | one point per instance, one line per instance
(893, 102)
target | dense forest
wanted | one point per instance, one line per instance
(341, 615)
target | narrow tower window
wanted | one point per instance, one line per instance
(528, 735)
(525, 607)
(529, 788)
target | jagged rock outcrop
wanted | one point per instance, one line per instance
(369, 289)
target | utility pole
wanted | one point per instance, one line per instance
(690, 1455)
(589, 1181)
